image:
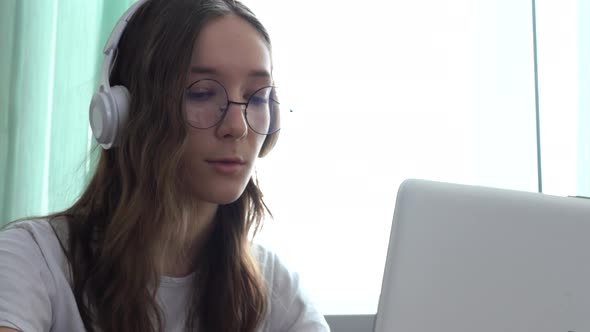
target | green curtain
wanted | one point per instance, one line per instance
(51, 55)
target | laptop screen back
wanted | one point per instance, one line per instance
(465, 258)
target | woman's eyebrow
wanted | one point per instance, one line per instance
(212, 71)
(259, 73)
(204, 70)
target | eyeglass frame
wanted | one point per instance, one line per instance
(230, 102)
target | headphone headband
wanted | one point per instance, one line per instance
(109, 106)
(113, 42)
(115, 36)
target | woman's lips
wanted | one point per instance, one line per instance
(226, 166)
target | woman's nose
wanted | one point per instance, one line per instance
(234, 123)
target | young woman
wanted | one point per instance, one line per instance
(159, 240)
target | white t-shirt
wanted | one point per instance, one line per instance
(36, 290)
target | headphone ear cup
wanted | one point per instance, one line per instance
(108, 113)
(122, 99)
(102, 118)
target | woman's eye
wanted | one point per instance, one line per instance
(258, 100)
(200, 96)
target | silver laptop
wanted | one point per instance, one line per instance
(466, 259)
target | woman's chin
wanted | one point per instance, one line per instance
(222, 198)
(227, 200)
(218, 191)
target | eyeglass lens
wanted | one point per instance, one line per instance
(207, 102)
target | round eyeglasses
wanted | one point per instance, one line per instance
(206, 102)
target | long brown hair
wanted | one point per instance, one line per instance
(134, 207)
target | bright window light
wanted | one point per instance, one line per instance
(384, 91)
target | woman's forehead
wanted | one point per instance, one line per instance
(230, 46)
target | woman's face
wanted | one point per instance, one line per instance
(220, 159)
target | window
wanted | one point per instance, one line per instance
(563, 39)
(382, 92)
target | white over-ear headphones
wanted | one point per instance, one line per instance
(109, 107)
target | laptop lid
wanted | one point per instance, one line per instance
(464, 258)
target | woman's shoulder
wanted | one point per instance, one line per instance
(32, 270)
(37, 239)
(36, 227)
(262, 254)
(44, 232)
(290, 307)
(278, 276)
(271, 266)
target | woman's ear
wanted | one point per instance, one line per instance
(268, 144)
